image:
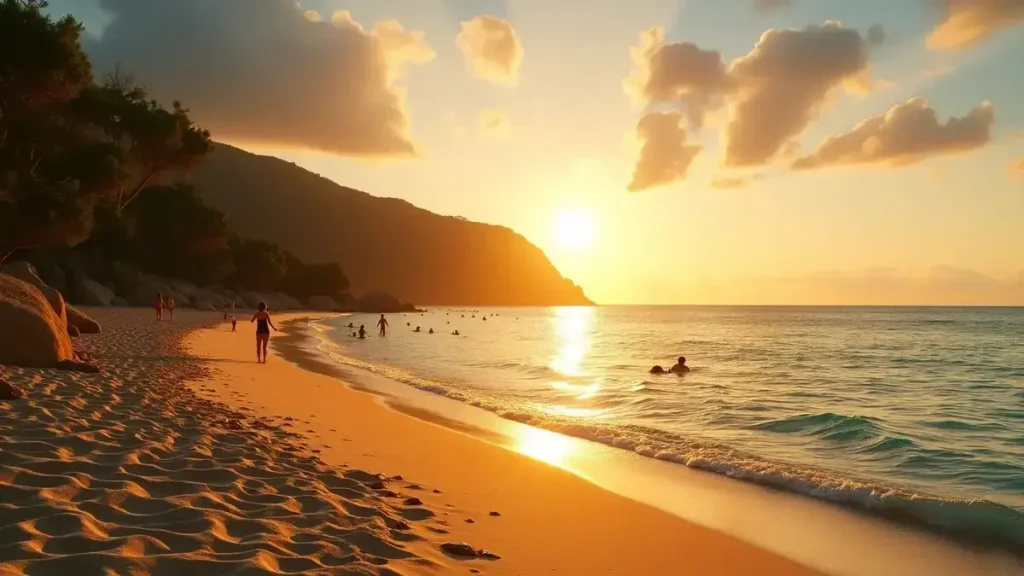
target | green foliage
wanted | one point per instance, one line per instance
(67, 145)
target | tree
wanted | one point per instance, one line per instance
(66, 144)
(176, 234)
(304, 280)
(259, 265)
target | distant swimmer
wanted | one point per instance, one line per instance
(657, 370)
(431, 331)
(680, 367)
(456, 333)
(417, 329)
(362, 332)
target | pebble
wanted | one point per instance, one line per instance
(413, 502)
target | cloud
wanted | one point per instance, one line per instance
(766, 6)
(908, 133)
(773, 92)
(491, 48)
(679, 72)
(968, 22)
(783, 83)
(665, 156)
(269, 72)
(493, 123)
(726, 183)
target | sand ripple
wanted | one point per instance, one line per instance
(129, 472)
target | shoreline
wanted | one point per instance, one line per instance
(870, 543)
(549, 518)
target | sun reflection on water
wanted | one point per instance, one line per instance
(572, 328)
(544, 446)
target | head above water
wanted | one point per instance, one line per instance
(682, 359)
(263, 307)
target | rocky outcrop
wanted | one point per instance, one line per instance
(282, 301)
(203, 305)
(379, 302)
(82, 321)
(252, 299)
(31, 333)
(322, 304)
(88, 292)
(183, 287)
(27, 273)
(119, 302)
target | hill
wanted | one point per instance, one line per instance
(383, 244)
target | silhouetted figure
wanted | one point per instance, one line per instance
(170, 307)
(657, 370)
(383, 324)
(417, 329)
(431, 331)
(263, 326)
(485, 318)
(680, 366)
(456, 333)
(159, 305)
(362, 332)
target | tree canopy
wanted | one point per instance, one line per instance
(67, 143)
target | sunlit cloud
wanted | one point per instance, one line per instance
(727, 183)
(493, 123)
(665, 156)
(270, 73)
(968, 22)
(491, 48)
(773, 93)
(908, 133)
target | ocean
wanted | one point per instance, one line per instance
(915, 414)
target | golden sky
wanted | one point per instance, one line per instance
(660, 151)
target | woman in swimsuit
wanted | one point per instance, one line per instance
(263, 326)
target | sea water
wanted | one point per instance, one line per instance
(916, 414)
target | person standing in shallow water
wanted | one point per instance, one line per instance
(383, 325)
(263, 326)
(159, 305)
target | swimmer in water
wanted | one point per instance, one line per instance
(680, 367)
(362, 332)
(657, 370)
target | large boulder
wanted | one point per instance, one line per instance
(82, 321)
(183, 287)
(119, 302)
(283, 301)
(209, 296)
(27, 273)
(203, 305)
(31, 333)
(252, 299)
(379, 302)
(145, 291)
(347, 302)
(322, 303)
(88, 292)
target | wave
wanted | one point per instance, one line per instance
(981, 521)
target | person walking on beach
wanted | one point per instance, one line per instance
(383, 325)
(263, 326)
(159, 305)
(170, 306)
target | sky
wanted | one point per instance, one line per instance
(659, 151)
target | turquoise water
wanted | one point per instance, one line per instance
(916, 414)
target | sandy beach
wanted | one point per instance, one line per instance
(185, 456)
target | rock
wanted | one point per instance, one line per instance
(322, 304)
(79, 366)
(283, 301)
(401, 525)
(27, 273)
(252, 299)
(413, 502)
(493, 513)
(379, 302)
(347, 302)
(183, 287)
(73, 331)
(203, 305)
(31, 332)
(119, 302)
(466, 551)
(9, 391)
(470, 521)
(82, 321)
(213, 297)
(145, 291)
(88, 292)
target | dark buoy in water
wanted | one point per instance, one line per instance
(657, 370)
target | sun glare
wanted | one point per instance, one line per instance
(573, 229)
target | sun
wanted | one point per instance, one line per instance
(573, 229)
